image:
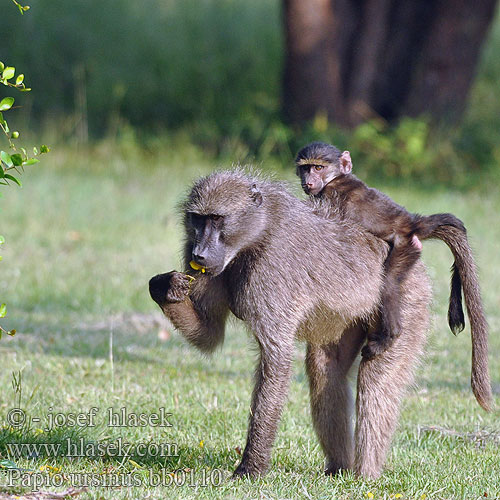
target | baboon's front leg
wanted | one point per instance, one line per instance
(271, 388)
(331, 399)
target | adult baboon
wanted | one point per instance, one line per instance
(290, 273)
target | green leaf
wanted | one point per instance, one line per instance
(8, 72)
(17, 159)
(3, 311)
(2, 119)
(6, 103)
(6, 158)
(44, 149)
(35, 151)
(2, 66)
(13, 179)
(15, 135)
(19, 79)
(2, 240)
(31, 161)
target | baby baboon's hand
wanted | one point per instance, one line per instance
(169, 288)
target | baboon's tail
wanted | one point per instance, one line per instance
(465, 274)
(426, 227)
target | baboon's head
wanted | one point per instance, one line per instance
(223, 215)
(319, 163)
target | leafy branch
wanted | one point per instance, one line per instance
(18, 158)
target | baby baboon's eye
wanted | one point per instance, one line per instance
(318, 168)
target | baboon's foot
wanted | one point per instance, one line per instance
(335, 470)
(247, 470)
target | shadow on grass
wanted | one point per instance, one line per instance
(70, 337)
(66, 446)
(142, 348)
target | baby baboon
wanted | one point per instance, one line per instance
(325, 172)
(254, 239)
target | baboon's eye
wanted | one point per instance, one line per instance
(318, 168)
(215, 217)
(197, 221)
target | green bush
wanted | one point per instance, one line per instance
(153, 63)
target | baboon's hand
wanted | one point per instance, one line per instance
(169, 288)
(178, 289)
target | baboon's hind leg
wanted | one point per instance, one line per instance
(331, 399)
(382, 382)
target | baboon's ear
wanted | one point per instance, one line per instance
(345, 162)
(256, 195)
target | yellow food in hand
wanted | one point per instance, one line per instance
(197, 267)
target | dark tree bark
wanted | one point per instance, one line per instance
(354, 59)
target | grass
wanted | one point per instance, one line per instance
(84, 236)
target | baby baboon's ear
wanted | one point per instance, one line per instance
(345, 163)
(256, 195)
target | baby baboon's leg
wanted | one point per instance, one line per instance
(398, 264)
(382, 382)
(331, 399)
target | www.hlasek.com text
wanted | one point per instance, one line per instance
(80, 448)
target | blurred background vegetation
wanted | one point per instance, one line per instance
(168, 75)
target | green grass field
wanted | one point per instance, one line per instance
(84, 236)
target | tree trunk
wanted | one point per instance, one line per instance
(355, 59)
